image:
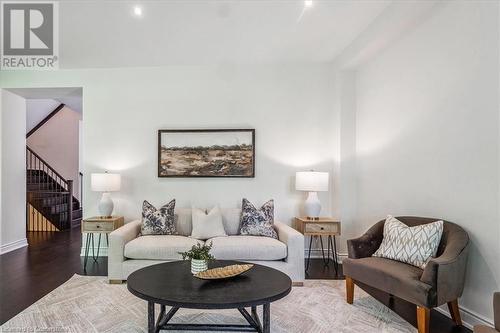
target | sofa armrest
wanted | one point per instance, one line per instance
(496, 310)
(294, 241)
(116, 248)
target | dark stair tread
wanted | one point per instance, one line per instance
(44, 194)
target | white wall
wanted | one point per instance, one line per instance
(289, 106)
(57, 142)
(427, 135)
(37, 110)
(13, 174)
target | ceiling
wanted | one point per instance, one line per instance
(71, 96)
(97, 34)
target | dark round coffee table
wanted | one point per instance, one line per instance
(172, 284)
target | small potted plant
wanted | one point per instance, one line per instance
(199, 256)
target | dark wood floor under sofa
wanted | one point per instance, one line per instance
(30, 273)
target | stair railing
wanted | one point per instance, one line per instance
(50, 183)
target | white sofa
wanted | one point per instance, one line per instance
(128, 251)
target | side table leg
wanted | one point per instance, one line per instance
(327, 260)
(266, 318)
(86, 257)
(309, 254)
(98, 247)
(151, 317)
(92, 240)
(335, 256)
(328, 241)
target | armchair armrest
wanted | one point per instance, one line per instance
(446, 273)
(366, 245)
(116, 249)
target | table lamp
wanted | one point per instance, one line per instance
(312, 182)
(105, 183)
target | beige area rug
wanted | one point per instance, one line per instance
(89, 304)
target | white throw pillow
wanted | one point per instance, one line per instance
(411, 245)
(209, 225)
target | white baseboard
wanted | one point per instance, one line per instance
(469, 318)
(316, 253)
(103, 251)
(13, 246)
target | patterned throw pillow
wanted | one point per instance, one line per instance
(158, 221)
(257, 222)
(411, 245)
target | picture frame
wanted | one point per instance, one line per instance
(207, 153)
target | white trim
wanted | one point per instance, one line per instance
(316, 253)
(103, 251)
(13, 246)
(342, 256)
(469, 318)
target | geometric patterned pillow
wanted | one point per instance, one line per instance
(411, 245)
(158, 221)
(257, 222)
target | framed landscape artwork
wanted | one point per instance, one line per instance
(206, 153)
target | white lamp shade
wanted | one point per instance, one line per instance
(311, 181)
(105, 182)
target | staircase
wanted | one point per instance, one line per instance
(51, 205)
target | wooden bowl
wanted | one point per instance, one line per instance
(223, 272)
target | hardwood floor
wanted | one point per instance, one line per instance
(30, 273)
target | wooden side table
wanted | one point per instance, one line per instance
(98, 225)
(323, 226)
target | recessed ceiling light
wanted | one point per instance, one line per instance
(138, 11)
(308, 3)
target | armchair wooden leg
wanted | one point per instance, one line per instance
(455, 312)
(349, 286)
(423, 319)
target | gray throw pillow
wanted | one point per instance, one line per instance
(257, 222)
(158, 221)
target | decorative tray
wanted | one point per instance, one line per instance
(223, 272)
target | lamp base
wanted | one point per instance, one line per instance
(106, 205)
(312, 206)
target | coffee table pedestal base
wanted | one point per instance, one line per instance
(254, 324)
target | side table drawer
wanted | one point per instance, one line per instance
(97, 226)
(322, 227)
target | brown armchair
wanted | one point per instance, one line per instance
(442, 280)
(496, 314)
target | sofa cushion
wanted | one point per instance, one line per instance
(247, 248)
(393, 277)
(231, 218)
(164, 247)
(183, 221)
